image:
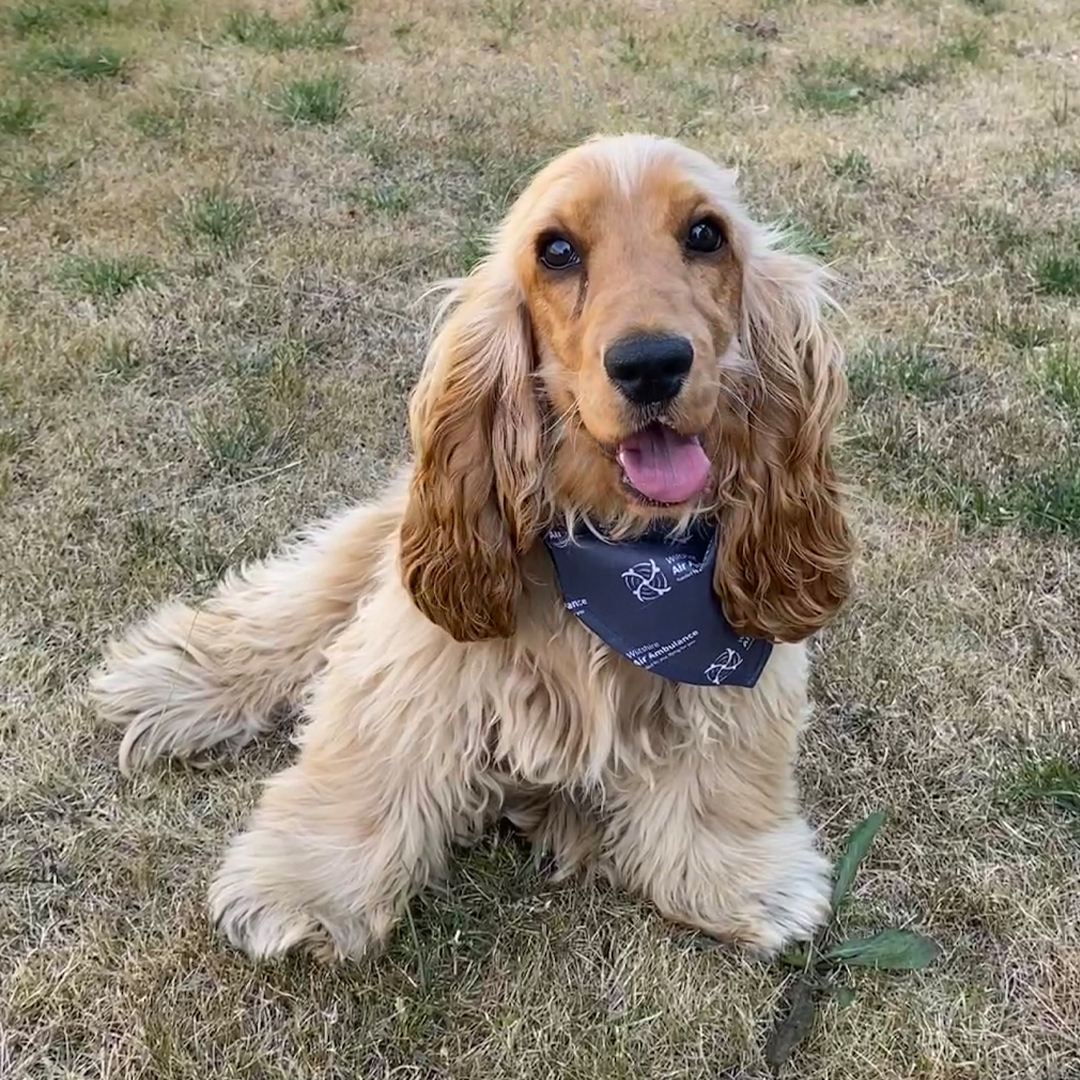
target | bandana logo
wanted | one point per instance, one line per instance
(651, 600)
(646, 581)
(726, 662)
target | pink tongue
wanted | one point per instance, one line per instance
(663, 465)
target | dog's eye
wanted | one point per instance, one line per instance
(704, 236)
(557, 253)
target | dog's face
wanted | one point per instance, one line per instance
(634, 347)
(633, 294)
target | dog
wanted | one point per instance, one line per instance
(635, 361)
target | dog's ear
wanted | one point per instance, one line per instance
(786, 548)
(473, 506)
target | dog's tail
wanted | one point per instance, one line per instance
(194, 683)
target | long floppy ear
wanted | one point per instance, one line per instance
(786, 547)
(473, 505)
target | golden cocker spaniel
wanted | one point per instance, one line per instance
(634, 357)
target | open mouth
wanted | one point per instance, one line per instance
(663, 466)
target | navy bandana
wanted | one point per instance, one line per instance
(652, 600)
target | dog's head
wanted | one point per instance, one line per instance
(633, 348)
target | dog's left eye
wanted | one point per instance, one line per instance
(557, 253)
(704, 236)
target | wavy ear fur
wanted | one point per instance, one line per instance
(786, 548)
(473, 503)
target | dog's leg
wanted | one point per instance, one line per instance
(715, 840)
(558, 828)
(382, 787)
(191, 681)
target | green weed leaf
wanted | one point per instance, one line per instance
(859, 840)
(792, 1029)
(889, 950)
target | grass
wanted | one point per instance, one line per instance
(157, 122)
(1058, 274)
(85, 65)
(803, 238)
(261, 30)
(165, 415)
(43, 178)
(838, 84)
(119, 358)
(1060, 376)
(46, 17)
(106, 277)
(216, 217)
(1055, 781)
(843, 83)
(240, 443)
(311, 101)
(889, 370)
(391, 200)
(21, 116)
(853, 165)
(504, 16)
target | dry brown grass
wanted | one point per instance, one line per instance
(206, 337)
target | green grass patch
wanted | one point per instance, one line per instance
(1049, 502)
(11, 441)
(1001, 232)
(311, 101)
(1024, 333)
(504, 16)
(157, 122)
(1040, 504)
(240, 442)
(966, 48)
(922, 431)
(841, 84)
(467, 252)
(36, 18)
(20, 116)
(106, 277)
(151, 541)
(86, 65)
(118, 358)
(1058, 274)
(1055, 781)
(853, 166)
(804, 239)
(1053, 167)
(256, 432)
(45, 177)
(898, 462)
(391, 200)
(987, 7)
(630, 52)
(261, 30)
(1059, 377)
(216, 217)
(911, 369)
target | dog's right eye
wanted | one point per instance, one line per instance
(557, 253)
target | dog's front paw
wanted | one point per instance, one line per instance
(267, 901)
(791, 899)
(260, 924)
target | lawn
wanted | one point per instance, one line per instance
(216, 225)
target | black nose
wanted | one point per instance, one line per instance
(649, 368)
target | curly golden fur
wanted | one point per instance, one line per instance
(444, 682)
